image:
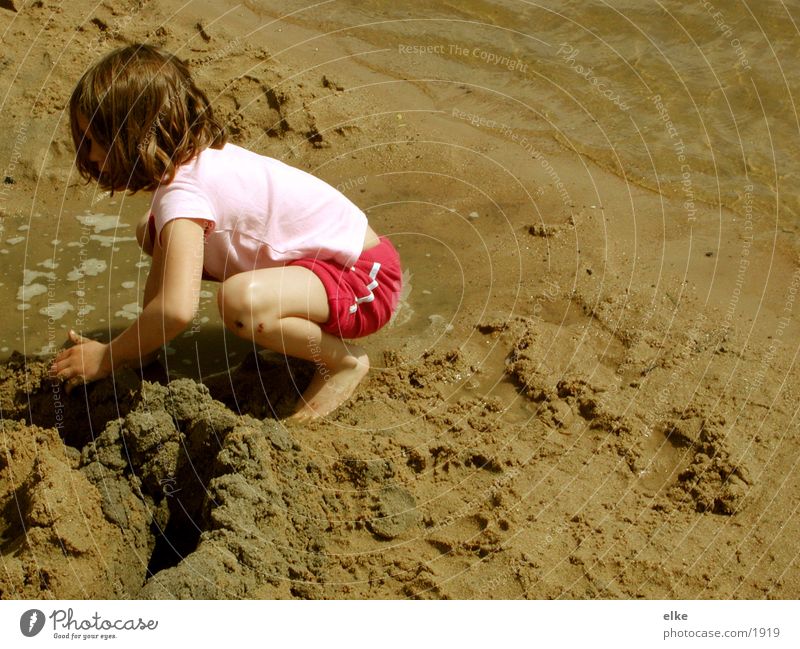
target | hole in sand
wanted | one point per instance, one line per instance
(663, 461)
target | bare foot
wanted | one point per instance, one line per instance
(331, 387)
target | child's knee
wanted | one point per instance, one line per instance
(244, 311)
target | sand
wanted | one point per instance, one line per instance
(583, 394)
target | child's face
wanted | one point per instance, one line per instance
(97, 154)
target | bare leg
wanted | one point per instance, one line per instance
(280, 309)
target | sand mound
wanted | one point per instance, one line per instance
(162, 500)
(68, 531)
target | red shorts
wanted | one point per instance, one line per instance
(362, 298)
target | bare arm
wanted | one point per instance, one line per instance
(150, 289)
(170, 302)
(171, 293)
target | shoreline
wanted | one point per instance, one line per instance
(585, 397)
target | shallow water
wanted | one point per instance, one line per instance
(693, 99)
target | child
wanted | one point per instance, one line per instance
(300, 268)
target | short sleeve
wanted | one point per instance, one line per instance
(181, 200)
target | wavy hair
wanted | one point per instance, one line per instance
(144, 109)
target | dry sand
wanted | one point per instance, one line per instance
(582, 396)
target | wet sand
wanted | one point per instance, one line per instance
(588, 392)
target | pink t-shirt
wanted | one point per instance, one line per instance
(261, 212)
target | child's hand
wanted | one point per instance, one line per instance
(87, 361)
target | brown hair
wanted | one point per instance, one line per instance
(144, 109)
